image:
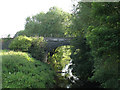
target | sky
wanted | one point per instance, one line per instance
(14, 12)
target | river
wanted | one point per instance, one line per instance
(69, 71)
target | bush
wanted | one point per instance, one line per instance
(34, 45)
(37, 48)
(21, 43)
(20, 70)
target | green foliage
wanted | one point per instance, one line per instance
(54, 23)
(97, 27)
(104, 42)
(95, 48)
(83, 63)
(8, 36)
(21, 43)
(34, 45)
(37, 48)
(60, 58)
(58, 61)
(20, 33)
(20, 70)
(81, 55)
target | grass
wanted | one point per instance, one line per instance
(20, 70)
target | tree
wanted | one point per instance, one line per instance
(104, 42)
(81, 55)
(54, 23)
(8, 36)
(97, 32)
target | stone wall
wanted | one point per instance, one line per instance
(6, 42)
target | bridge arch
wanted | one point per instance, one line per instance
(53, 44)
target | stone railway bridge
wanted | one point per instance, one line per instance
(52, 44)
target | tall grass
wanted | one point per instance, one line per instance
(20, 70)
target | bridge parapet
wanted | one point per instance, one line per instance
(52, 42)
(48, 39)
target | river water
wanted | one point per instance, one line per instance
(69, 71)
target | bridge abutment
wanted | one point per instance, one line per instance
(45, 56)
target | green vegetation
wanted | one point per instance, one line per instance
(54, 23)
(20, 70)
(58, 61)
(21, 43)
(104, 42)
(33, 45)
(37, 48)
(60, 58)
(94, 50)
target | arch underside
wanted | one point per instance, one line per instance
(53, 45)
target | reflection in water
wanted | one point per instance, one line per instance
(69, 71)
